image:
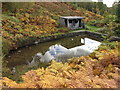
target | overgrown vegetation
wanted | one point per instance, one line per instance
(98, 70)
(22, 25)
(110, 24)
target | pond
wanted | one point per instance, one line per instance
(17, 61)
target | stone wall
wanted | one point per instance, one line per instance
(94, 35)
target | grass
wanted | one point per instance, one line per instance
(89, 28)
(93, 28)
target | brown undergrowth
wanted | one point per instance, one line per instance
(98, 70)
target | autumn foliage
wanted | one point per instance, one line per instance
(98, 70)
(25, 26)
(101, 69)
(37, 20)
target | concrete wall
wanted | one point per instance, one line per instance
(97, 36)
(69, 25)
(94, 35)
(62, 22)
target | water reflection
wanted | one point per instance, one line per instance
(25, 55)
(61, 53)
(32, 57)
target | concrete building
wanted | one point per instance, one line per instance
(72, 22)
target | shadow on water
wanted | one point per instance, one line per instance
(17, 61)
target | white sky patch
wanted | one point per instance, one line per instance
(107, 2)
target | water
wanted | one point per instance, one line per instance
(21, 56)
(17, 61)
(59, 53)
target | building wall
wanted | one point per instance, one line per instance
(62, 22)
(72, 25)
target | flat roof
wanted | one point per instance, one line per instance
(73, 17)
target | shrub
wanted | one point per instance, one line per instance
(6, 46)
(99, 70)
(17, 29)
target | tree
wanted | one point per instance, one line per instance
(118, 12)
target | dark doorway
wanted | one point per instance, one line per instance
(66, 22)
(79, 22)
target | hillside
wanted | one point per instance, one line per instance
(36, 20)
(25, 24)
(54, 9)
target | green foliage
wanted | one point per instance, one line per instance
(118, 12)
(111, 29)
(102, 8)
(96, 7)
(117, 32)
(93, 28)
(110, 18)
(6, 46)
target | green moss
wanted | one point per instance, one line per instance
(6, 44)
